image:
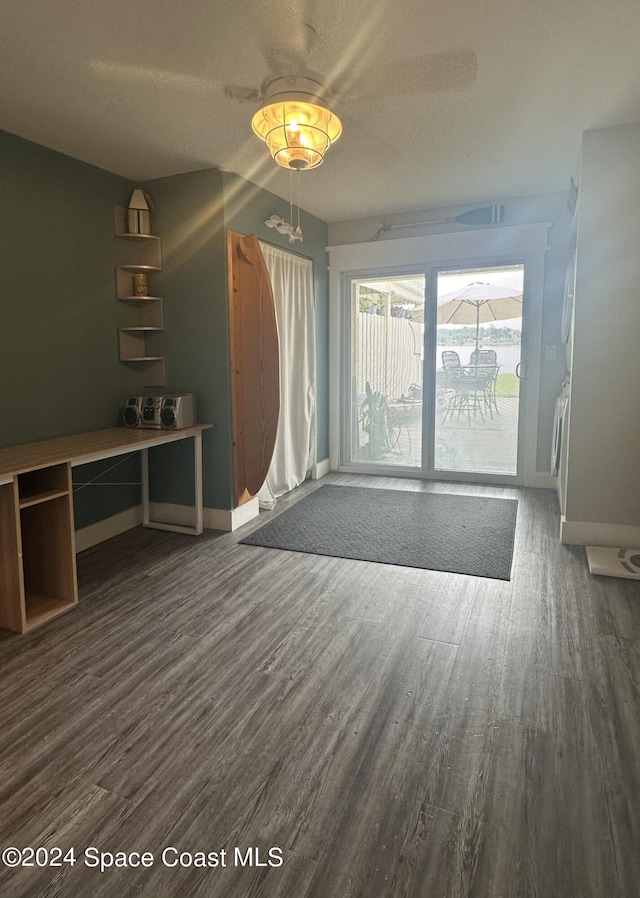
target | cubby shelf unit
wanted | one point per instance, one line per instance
(37, 565)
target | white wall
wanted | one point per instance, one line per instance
(603, 492)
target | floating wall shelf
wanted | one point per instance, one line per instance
(150, 314)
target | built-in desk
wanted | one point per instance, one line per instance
(37, 541)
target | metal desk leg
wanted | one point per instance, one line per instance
(197, 461)
(198, 527)
(145, 487)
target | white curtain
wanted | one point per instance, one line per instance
(295, 449)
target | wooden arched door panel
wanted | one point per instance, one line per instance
(255, 365)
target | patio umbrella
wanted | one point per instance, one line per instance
(478, 303)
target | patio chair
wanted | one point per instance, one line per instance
(484, 357)
(450, 359)
(486, 363)
(466, 391)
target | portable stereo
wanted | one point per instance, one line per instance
(173, 411)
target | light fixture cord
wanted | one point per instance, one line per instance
(291, 196)
(298, 173)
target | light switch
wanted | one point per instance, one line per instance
(550, 353)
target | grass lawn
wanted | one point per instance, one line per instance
(507, 386)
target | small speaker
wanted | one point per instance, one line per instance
(178, 411)
(132, 412)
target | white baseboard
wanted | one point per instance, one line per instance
(542, 480)
(164, 512)
(320, 469)
(213, 518)
(231, 519)
(589, 533)
(167, 513)
(116, 524)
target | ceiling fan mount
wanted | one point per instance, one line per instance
(294, 87)
(306, 87)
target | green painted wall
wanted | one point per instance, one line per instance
(58, 346)
(188, 216)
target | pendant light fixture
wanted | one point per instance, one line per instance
(296, 123)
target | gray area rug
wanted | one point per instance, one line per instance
(436, 531)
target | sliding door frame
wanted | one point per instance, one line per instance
(519, 244)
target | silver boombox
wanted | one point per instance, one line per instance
(171, 411)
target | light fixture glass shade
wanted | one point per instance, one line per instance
(297, 133)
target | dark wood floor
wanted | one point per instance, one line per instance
(395, 732)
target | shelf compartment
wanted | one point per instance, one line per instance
(44, 496)
(43, 483)
(42, 608)
(48, 559)
(147, 245)
(148, 314)
(132, 343)
(125, 281)
(121, 224)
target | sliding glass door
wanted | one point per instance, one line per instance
(432, 372)
(477, 366)
(385, 382)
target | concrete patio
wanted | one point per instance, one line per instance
(466, 443)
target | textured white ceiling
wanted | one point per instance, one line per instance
(443, 101)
